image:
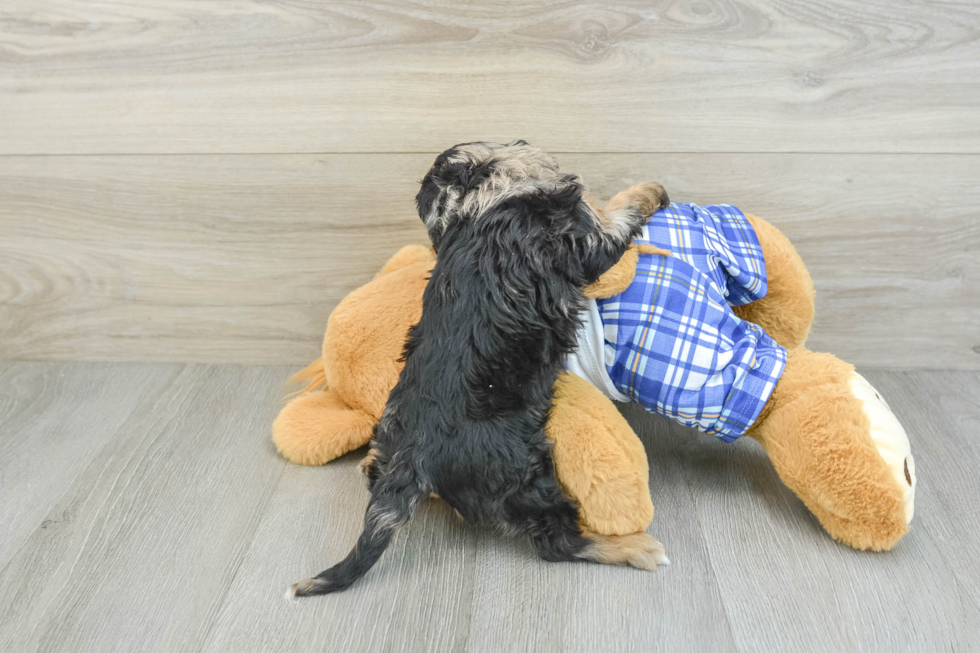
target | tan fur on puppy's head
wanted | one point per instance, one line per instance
(470, 178)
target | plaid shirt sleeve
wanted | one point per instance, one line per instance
(719, 241)
(672, 342)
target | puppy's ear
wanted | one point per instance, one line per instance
(426, 202)
(440, 198)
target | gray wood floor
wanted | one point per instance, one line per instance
(143, 507)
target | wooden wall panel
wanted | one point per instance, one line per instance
(287, 76)
(241, 258)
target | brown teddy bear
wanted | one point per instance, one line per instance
(830, 436)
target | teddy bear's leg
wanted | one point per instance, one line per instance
(407, 255)
(317, 427)
(599, 461)
(834, 441)
(786, 312)
(366, 333)
(344, 391)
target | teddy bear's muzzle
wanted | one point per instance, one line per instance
(889, 438)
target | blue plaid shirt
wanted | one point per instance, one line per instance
(672, 342)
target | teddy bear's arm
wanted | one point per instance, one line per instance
(406, 256)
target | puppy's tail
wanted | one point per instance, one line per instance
(393, 500)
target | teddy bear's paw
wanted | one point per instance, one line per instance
(316, 427)
(889, 438)
(639, 550)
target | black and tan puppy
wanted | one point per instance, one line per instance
(516, 245)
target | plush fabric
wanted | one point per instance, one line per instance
(670, 340)
(817, 434)
(814, 427)
(298, 432)
(600, 462)
(365, 334)
(359, 366)
(786, 312)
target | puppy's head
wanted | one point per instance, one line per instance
(470, 178)
(516, 198)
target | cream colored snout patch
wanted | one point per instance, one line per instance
(890, 439)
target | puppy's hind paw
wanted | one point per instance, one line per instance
(368, 462)
(648, 553)
(369, 467)
(638, 550)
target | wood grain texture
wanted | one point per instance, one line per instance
(164, 258)
(941, 412)
(43, 411)
(787, 586)
(141, 548)
(521, 605)
(692, 75)
(241, 258)
(184, 529)
(416, 598)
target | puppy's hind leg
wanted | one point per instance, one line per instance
(638, 550)
(551, 520)
(370, 467)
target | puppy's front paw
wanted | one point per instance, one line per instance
(649, 197)
(629, 210)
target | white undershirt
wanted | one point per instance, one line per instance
(588, 360)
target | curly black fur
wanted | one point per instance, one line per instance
(516, 244)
